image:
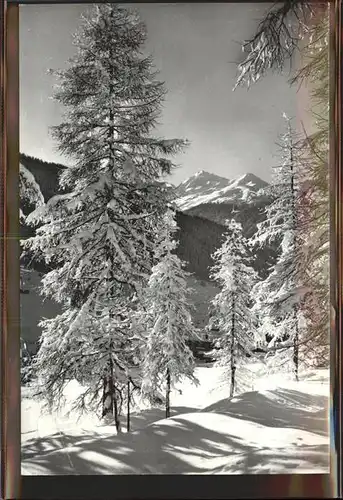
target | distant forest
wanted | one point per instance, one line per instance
(201, 229)
(199, 237)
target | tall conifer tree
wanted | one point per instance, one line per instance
(100, 235)
(279, 297)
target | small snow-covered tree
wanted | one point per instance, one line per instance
(99, 235)
(232, 305)
(168, 322)
(31, 197)
(279, 297)
(29, 191)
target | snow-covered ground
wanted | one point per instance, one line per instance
(279, 426)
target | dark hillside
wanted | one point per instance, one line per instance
(46, 174)
(248, 214)
(198, 239)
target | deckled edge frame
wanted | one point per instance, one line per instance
(269, 486)
(9, 251)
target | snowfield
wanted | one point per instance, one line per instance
(204, 187)
(279, 427)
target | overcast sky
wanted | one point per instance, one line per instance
(194, 47)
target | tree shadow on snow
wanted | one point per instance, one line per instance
(279, 408)
(60, 440)
(176, 446)
(139, 420)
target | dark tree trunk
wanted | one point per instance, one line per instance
(233, 365)
(294, 223)
(109, 401)
(232, 388)
(128, 423)
(168, 395)
(115, 408)
(107, 406)
(296, 347)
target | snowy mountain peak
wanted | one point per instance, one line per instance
(251, 180)
(202, 182)
(204, 187)
(204, 176)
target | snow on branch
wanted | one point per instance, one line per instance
(29, 190)
(275, 41)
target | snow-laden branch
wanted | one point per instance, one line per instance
(277, 38)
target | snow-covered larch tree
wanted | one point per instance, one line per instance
(278, 299)
(168, 322)
(232, 305)
(99, 236)
(314, 196)
(29, 191)
(287, 27)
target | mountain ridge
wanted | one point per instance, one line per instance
(204, 188)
